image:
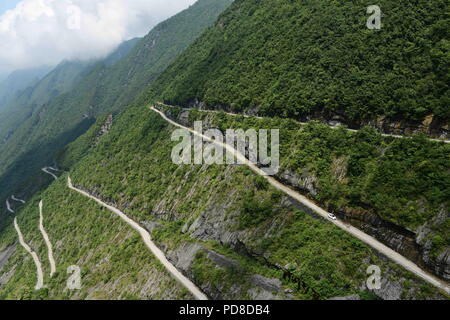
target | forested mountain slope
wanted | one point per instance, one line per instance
(114, 262)
(224, 227)
(60, 80)
(394, 189)
(29, 101)
(121, 52)
(18, 81)
(103, 89)
(317, 59)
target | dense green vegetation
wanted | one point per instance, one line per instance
(132, 168)
(318, 58)
(114, 262)
(19, 80)
(279, 58)
(404, 181)
(74, 152)
(109, 86)
(30, 100)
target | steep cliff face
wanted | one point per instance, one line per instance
(416, 246)
(106, 126)
(415, 241)
(396, 237)
(438, 261)
(231, 233)
(430, 126)
(192, 260)
(4, 256)
(226, 229)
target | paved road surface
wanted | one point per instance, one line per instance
(46, 170)
(40, 274)
(8, 206)
(47, 241)
(18, 200)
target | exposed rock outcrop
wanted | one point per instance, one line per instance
(306, 182)
(349, 298)
(4, 257)
(430, 126)
(106, 126)
(6, 254)
(439, 264)
(413, 244)
(256, 286)
(416, 246)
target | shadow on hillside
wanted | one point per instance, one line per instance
(24, 175)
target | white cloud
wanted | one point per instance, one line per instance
(44, 32)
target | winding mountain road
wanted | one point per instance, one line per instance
(301, 123)
(46, 170)
(18, 200)
(188, 284)
(47, 240)
(40, 274)
(369, 240)
(8, 206)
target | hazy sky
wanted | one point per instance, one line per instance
(44, 32)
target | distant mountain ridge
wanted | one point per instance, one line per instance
(28, 101)
(18, 81)
(108, 86)
(121, 52)
(64, 77)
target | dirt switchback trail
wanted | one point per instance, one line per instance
(46, 170)
(369, 240)
(188, 284)
(8, 206)
(47, 241)
(40, 274)
(18, 200)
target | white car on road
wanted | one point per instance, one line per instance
(332, 216)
